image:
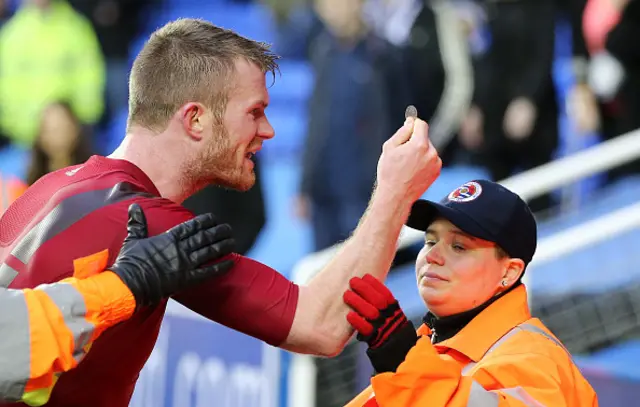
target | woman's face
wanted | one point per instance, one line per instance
(59, 131)
(457, 272)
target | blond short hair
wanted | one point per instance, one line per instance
(189, 60)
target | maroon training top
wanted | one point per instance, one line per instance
(82, 210)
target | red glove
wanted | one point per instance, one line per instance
(376, 314)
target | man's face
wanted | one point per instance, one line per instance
(227, 158)
(455, 271)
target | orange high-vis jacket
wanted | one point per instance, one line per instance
(503, 357)
(48, 330)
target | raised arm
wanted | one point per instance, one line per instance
(409, 164)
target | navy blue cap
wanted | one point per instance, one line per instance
(485, 210)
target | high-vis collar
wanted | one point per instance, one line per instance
(488, 326)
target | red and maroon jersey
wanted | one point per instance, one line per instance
(82, 210)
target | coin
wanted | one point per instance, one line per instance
(411, 112)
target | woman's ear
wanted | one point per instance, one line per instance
(512, 272)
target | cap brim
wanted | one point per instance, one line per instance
(423, 213)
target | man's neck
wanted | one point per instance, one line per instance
(159, 157)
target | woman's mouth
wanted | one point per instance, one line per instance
(431, 276)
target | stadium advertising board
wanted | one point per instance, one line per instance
(197, 363)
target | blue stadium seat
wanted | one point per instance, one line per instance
(295, 82)
(14, 161)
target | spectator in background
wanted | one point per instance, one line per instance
(61, 142)
(513, 122)
(297, 25)
(582, 104)
(117, 24)
(48, 52)
(439, 64)
(610, 29)
(359, 96)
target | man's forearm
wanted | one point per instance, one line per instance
(408, 165)
(371, 250)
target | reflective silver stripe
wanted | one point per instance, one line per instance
(522, 327)
(71, 304)
(7, 275)
(476, 398)
(15, 352)
(493, 347)
(479, 397)
(532, 328)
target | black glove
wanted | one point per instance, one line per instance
(380, 322)
(158, 267)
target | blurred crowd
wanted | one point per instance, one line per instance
(480, 72)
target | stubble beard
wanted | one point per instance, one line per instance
(217, 165)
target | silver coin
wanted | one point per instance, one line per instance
(411, 112)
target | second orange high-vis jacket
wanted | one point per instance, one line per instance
(503, 357)
(48, 330)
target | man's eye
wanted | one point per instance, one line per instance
(429, 243)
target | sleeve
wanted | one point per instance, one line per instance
(618, 41)
(49, 329)
(427, 379)
(458, 89)
(89, 76)
(252, 298)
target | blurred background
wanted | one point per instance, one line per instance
(542, 95)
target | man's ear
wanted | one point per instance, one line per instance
(193, 118)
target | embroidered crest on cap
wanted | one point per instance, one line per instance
(466, 192)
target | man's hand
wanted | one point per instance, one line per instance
(160, 266)
(409, 163)
(380, 322)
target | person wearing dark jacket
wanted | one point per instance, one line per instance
(515, 109)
